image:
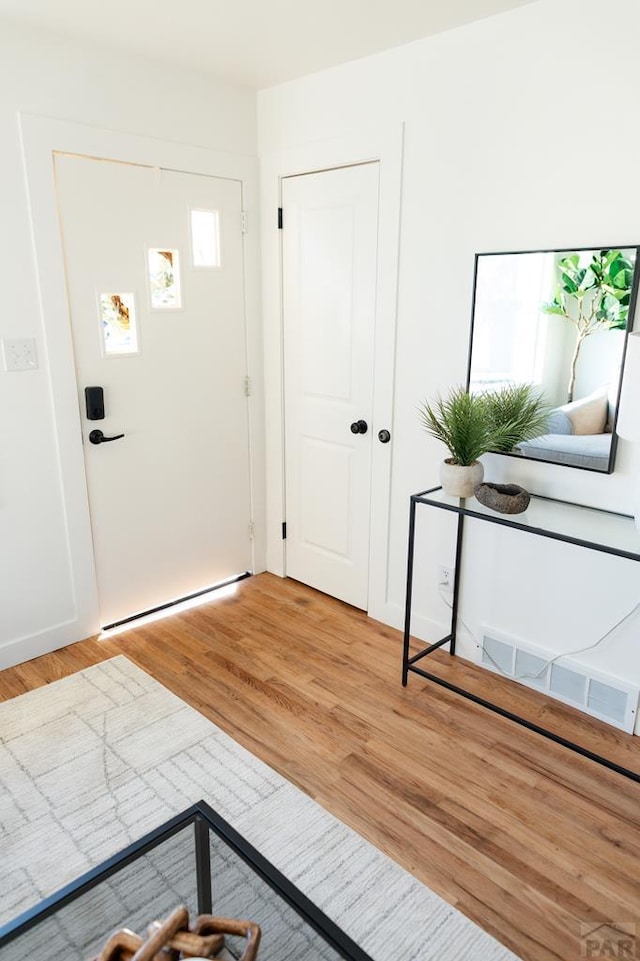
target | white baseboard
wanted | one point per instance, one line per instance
(35, 645)
(422, 627)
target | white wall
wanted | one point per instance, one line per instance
(42, 75)
(508, 145)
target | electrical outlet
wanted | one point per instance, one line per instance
(445, 578)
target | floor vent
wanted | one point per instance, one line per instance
(598, 694)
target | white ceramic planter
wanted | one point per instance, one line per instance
(461, 481)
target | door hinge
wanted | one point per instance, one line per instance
(284, 530)
(252, 530)
(279, 218)
(243, 221)
(247, 387)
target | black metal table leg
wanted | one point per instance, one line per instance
(203, 865)
(407, 608)
(456, 582)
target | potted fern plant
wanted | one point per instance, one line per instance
(462, 423)
(471, 425)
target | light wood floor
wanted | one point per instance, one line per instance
(528, 839)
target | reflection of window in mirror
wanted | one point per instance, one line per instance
(510, 332)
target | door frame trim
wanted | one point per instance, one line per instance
(384, 145)
(41, 137)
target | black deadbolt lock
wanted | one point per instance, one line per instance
(94, 402)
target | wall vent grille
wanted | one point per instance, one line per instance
(592, 691)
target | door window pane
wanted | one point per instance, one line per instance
(164, 278)
(205, 238)
(118, 323)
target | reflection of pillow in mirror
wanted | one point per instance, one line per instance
(558, 423)
(588, 415)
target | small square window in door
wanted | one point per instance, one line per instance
(164, 278)
(118, 327)
(205, 238)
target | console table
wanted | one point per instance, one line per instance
(587, 527)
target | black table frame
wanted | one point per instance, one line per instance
(409, 663)
(204, 820)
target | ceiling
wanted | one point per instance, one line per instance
(255, 43)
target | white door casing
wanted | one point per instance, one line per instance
(41, 137)
(329, 300)
(384, 144)
(170, 501)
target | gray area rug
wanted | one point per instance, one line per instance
(90, 763)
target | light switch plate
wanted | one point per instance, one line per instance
(19, 353)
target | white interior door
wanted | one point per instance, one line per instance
(154, 266)
(330, 237)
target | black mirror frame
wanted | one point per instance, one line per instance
(629, 329)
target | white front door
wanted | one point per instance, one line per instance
(330, 242)
(154, 265)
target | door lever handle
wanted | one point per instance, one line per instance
(97, 437)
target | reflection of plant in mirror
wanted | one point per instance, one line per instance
(595, 296)
(518, 412)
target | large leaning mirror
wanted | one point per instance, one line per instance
(557, 319)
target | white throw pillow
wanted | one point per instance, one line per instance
(589, 414)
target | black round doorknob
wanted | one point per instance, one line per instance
(359, 427)
(384, 436)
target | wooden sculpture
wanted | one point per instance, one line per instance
(174, 940)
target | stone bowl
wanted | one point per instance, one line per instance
(504, 498)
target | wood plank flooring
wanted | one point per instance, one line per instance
(526, 838)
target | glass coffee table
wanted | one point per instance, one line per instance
(195, 859)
